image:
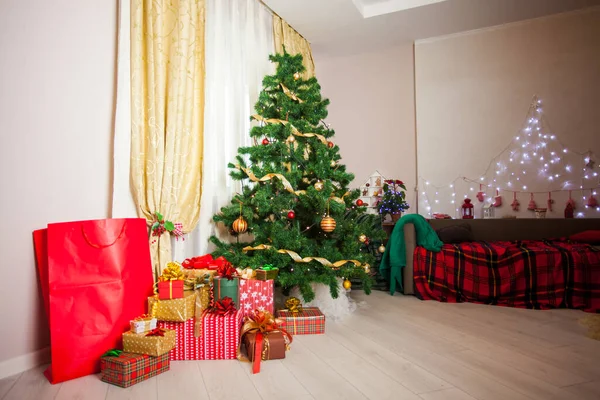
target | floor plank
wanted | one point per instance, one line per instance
(146, 390)
(448, 394)
(7, 383)
(85, 388)
(589, 390)
(226, 379)
(186, 377)
(274, 380)
(32, 385)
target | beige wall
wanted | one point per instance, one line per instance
(372, 112)
(473, 91)
(57, 79)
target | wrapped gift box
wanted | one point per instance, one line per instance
(176, 309)
(142, 324)
(218, 340)
(141, 343)
(273, 346)
(168, 290)
(256, 295)
(264, 275)
(309, 321)
(223, 287)
(129, 368)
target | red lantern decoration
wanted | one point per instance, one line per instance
(467, 209)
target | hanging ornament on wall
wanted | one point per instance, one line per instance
(531, 206)
(569, 210)
(381, 249)
(240, 225)
(515, 204)
(480, 195)
(571, 201)
(296, 76)
(291, 214)
(319, 186)
(362, 238)
(550, 201)
(497, 199)
(265, 141)
(592, 202)
(347, 284)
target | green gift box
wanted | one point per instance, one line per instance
(224, 287)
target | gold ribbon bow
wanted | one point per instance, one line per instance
(173, 272)
(247, 273)
(293, 305)
(299, 259)
(290, 94)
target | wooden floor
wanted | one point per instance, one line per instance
(392, 348)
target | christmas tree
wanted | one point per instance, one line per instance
(295, 204)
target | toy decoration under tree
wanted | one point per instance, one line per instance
(295, 197)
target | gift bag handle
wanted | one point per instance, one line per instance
(102, 246)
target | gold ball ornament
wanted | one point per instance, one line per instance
(347, 284)
(333, 163)
(328, 224)
(240, 225)
(319, 186)
(362, 238)
(381, 249)
(296, 76)
(367, 268)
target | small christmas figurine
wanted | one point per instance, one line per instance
(365, 191)
(378, 181)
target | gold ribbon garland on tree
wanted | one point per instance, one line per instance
(290, 94)
(295, 130)
(298, 259)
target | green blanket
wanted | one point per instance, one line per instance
(394, 257)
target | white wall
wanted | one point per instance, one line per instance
(473, 91)
(372, 112)
(57, 78)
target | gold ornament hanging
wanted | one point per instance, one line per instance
(328, 224)
(367, 268)
(362, 238)
(296, 76)
(240, 225)
(319, 186)
(381, 249)
(347, 284)
(333, 163)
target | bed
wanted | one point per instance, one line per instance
(514, 263)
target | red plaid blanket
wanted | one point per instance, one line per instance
(525, 274)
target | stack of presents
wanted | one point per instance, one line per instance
(205, 309)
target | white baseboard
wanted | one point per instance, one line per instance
(22, 363)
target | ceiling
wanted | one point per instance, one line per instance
(352, 26)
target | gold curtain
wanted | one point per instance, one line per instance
(283, 34)
(167, 112)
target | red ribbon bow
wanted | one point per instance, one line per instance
(224, 306)
(205, 262)
(156, 332)
(226, 271)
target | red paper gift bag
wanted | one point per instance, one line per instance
(95, 277)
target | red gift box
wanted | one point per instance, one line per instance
(309, 321)
(219, 339)
(128, 368)
(168, 290)
(256, 295)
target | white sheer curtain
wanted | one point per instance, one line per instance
(239, 39)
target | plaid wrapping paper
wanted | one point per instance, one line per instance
(310, 321)
(219, 339)
(255, 294)
(129, 369)
(524, 274)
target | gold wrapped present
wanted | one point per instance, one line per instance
(178, 310)
(154, 343)
(194, 273)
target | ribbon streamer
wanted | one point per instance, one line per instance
(290, 94)
(295, 130)
(268, 177)
(299, 259)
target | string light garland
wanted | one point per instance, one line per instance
(533, 157)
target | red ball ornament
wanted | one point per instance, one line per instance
(265, 141)
(359, 202)
(291, 215)
(330, 145)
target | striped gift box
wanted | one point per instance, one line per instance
(219, 339)
(310, 321)
(129, 369)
